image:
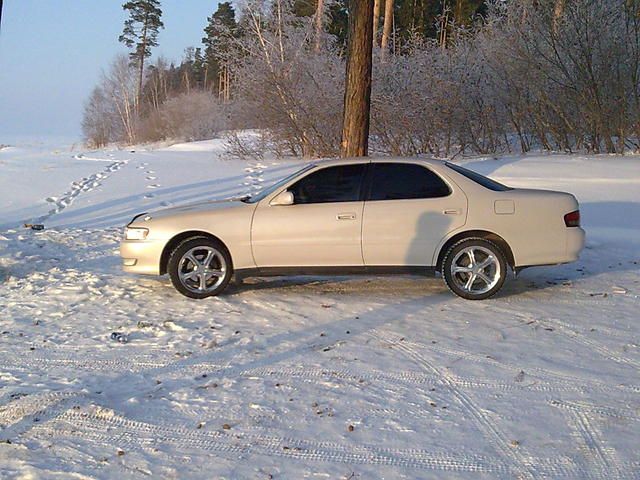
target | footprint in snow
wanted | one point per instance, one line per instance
(153, 185)
(149, 195)
(151, 177)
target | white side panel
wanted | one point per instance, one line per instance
(322, 234)
(407, 232)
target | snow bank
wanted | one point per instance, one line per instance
(292, 378)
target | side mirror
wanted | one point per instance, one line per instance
(283, 198)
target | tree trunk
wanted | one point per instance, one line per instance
(376, 21)
(357, 94)
(558, 11)
(141, 61)
(386, 27)
(319, 18)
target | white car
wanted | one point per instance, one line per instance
(370, 216)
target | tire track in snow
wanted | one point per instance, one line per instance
(43, 360)
(521, 464)
(26, 411)
(561, 381)
(104, 426)
(410, 379)
(29, 405)
(71, 420)
(573, 334)
(604, 411)
(84, 185)
(601, 459)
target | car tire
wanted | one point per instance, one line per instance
(474, 268)
(200, 267)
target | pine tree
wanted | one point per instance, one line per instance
(141, 34)
(409, 18)
(221, 27)
(357, 94)
(386, 27)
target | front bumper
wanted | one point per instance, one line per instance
(141, 256)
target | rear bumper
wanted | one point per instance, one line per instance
(140, 256)
(575, 243)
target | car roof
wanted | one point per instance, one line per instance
(355, 160)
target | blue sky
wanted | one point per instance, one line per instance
(53, 51)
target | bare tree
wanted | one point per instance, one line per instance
(284, 84)
(98, 122)
(376, 21)
(319, 17)
(156, 87)
(357, 94)
(386, 28)
(120, 86)
(558, 11)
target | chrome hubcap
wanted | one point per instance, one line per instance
(475, 270)
(202, 269)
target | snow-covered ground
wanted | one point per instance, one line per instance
(349, 377)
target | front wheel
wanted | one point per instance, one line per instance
(474, 268)
(200, 267)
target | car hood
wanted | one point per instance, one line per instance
(209, 205)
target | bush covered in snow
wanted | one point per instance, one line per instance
(552, 74)
(196, 115)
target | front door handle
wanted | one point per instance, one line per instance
(346, 216)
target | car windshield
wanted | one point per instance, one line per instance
(480, 179)
(272, 188)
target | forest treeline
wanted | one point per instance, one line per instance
(450, 77)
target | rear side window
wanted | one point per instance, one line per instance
(481, 179)
(404, 181)
(332, 184)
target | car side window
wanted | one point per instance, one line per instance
(332, 184)
(402, 181)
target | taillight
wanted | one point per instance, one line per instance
(572, 219)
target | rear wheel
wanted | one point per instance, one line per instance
(474, 268)
(200, 267)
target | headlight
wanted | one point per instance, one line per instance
(131, 233)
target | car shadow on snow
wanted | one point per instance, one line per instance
(347, 285)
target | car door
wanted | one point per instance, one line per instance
(321, 228)
(408, 210)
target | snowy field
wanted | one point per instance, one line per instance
(349, 377)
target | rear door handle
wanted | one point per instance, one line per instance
(452, 211)
(346, 216)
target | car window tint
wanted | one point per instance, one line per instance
(399, 181)
(331, 184)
